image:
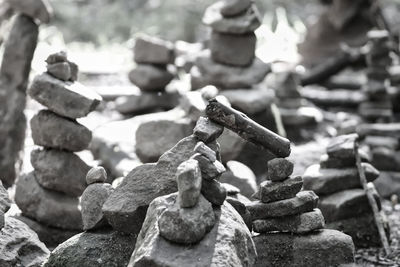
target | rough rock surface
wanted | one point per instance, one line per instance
(207, 130)
(88, 249)
(96, 175)
(284, 249)
(20, 246)
(279, 169)
(228, 244)
(274, 191)
(188, 179)
(5, 202)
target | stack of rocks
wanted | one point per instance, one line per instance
(231, 61)
(154, 71)
(343, 202)
(379, 107)
(48, 196)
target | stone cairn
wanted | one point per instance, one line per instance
(154, 71)
(48, 196)
(343, 202)
(379, 107)
(230, 62)
(14, 75)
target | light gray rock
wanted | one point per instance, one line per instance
(188, 177)
(153, 50)
(209, 170)
(20, 246)
(68, 99)
(246, 22)
(36, 9)
(285, 249)
(53, 131)
(206, 151)
(213, 191)
(88, 249)
(96, 175)
(240, 176)
(150, 78)
(48, 207)
(328, 181)
(60, 171)
(229, 242)
(233, 49)
(305, 201)
(207, 130)
(234, 7)
(186, 225)
(274, 191)
(279, 169)
(92, 201)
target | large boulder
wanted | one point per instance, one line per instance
(91, 249)
(228, 244)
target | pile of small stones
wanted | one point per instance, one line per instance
(342, 200)
(48, 196)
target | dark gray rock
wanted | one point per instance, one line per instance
(213, 191)
(150, 78)
(274, 191)
(60, 171)
(242, 210)
(328, 181)
(186, 225)
(207, 130)
(88, 249)
(68, 99)
(20, 246)
(209, 170)
(229, 242)
(379, 129)
(206, 151)
(240, 176)
(188, 178)
(386, 159)
(327, 162)
(57, 57)
(96, 175)
(382, 141)
(246, 22)
(279, 169)
(234, 7)
(48, 207)
(305, 201)
(52, 131)
(36, 9)
(233, 49)
(92, 201)
(153, 50)
(60, 71)
(342, 146)
(285, 249)
(5, 202)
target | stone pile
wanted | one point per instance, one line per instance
(230, 62)
(343, 202)
(48, 196)
(14, 74)
(284, 215)
(379, 107)
(154, 71)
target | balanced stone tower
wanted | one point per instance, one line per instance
(343, 202)
(230, 62)
(154, 71)
(48, 196)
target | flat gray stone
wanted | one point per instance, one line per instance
(188, 177)
(327, 162)
(207, 130)
(96, 175)
(60, 171)
(36, 9)
(342, 146)
(60, 71)
(386, 159)
(153, 50)
(213, 191)
(304, 201)
(48, 207)
(279, 169)
(206, 151)
(150, 78)
(68, 99)
(274, 191)
(234, 7)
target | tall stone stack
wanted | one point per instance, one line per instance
(343, 202)
(230, 62)
(284, 216)
(48, 196)
(379, 106)
(14, 74)
(154, 71)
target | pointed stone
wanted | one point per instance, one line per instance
(96, 175)
(206, 130)
(274, 191)
(188, 176)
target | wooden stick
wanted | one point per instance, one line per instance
(247, 128)
(372, 202)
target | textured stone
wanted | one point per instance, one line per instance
(274, 191)
(96, 175)
(48, 207)
(285, 249)
(213, 191)
(233, 49)
(60, 71)
(36, 9)
(20, 246)
(71, 100)
(229, 242)
(209, 170)
(244, 23)
(241, 176)
(52, 131)
(206, 130)
(92, 201)
(304, 201)
(60, 171)
(88, 249)
(186, 225)
(297, 224)
(153, 50)
(188, 177)
(342, 146)
(150, 78)
(279, 169)
(234, 7)
(206, 151)
(328, 181)
(327, 162)
(5, 202)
